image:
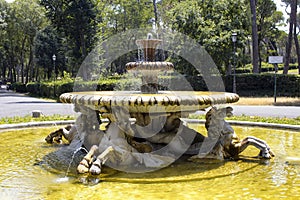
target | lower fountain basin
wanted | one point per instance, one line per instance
(163, 101)
(22, 178)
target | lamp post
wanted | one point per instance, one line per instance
(54, 59)
(234, 39)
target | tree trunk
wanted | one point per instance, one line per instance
(14, 74)
(255, 55)
(155, 13)
(84, 54)
(297, 44)
(4, 69)
(290, 36)
(22, 60)
(37, 74)
(297, 41)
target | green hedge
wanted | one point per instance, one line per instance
(263, 85)
(247, 85)
(265, 67)
(18, 87)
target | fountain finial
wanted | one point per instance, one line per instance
(148, 45)
(149, 67)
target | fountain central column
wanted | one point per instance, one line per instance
(148, 67)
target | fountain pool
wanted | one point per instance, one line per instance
(21, 177)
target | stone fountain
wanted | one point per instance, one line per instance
(145, 130)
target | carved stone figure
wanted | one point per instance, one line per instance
(118, 147)
(227, 143)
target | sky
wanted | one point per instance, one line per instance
(281, 7)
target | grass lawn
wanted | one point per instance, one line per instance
(29, 118)
(284, 120)
(281, 101)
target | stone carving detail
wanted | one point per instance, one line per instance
(227, 144)
(119, 146)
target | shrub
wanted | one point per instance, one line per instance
(247, 85)
(263, 84)
(19, 87)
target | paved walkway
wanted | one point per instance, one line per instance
(15, 104)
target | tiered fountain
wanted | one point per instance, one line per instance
(22, 178)
(155, 132)
(149, 97)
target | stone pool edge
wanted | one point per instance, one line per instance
(232, 122)
(253, 124)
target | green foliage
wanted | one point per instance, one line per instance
(32, 31)
(117, 17)
(265, 67)
(66, 77)
(277, 120)
(22, 20)
(263, 85)
(211, 25)
(247, 85)
(28, 118)
(76, 22)
(47, 44)
(19, 87)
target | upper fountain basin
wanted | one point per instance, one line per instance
(148, 43)
(135, 101)
(149, 66)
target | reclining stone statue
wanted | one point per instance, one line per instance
(126, 146)
(227, 143)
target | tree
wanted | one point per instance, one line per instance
(295, 33)
(255, 53)
(120, 16)
(293, 15)
(210, 25)
(297, 26)
(46, 44)
(24, 19)
(267, 18)
(3, 41)
(76, 21)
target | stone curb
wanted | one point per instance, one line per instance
(35, 124)
(252, 124)
(232, 122)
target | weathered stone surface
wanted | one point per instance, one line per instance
(136, 102)
(150, 66)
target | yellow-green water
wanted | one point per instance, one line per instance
(279, 178)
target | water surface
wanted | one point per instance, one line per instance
(21, 177)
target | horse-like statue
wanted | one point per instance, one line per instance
(227, 143)
(119, 147)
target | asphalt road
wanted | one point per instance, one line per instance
(15, 104)
(267, 111)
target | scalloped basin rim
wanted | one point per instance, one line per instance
(135, 101)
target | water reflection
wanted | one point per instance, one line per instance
(21, 178)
